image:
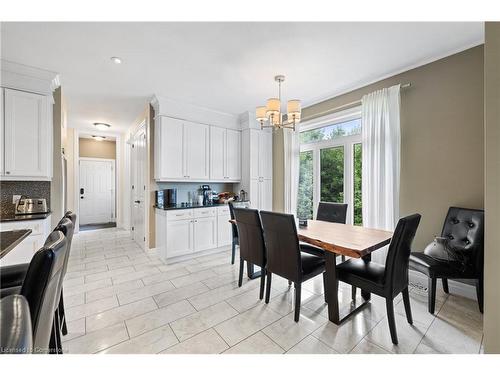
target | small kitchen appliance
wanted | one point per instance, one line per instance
(166, 198)
(30, 206)
(207, 193)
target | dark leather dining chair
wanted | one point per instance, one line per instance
(333, 213)
(16, 335)
(251, 239)
(235, 240)
(389, 280)
(284, 255)
(40, 287)
(464, 229)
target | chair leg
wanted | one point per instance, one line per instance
(262, 282)
(240, 277)
(392, 321)
(479, 293)
(406, 301)
(298, 287)
(353, 293)
(342, 258)
(62, 315)
(431, 294)
(268, 286)
(233, 252)
(445, 285)
(324, 287)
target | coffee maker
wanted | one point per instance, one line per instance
(206, 191)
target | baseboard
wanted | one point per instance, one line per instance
(455, 287)
(182, 258)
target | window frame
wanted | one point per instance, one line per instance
(346, 142)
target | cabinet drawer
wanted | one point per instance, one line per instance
(223, 211)
(205, 212)
(179, 215)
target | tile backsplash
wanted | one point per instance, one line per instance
(187, 189)
(32, 189)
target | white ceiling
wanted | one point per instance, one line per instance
(224, 66)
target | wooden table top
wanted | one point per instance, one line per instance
(344, 239)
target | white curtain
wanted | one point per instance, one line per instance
(381, 161)
(291, 160)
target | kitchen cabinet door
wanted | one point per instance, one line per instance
(196, 151)
(224, 230)
(205, 233)
(266, 195)
(171, 151)
(161, 232)
(2, 127)
(217, 153)
(23, 252)
(233, 155)
(254, 193)
(254, 153)
(27, 135)
(266, 155)
(179, 238)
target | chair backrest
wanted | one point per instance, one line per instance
(282, 245)
(398, 255)
(40, 287)
(332, 212)
(464, 229)
(232, 205)
(252, 246)
(16, 335)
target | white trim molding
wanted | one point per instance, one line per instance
(28, 78)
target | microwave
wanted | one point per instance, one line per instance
(165, 198)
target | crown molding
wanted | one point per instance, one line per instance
(28, 78)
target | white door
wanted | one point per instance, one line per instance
(217, 153)
(26, 134)
(196, 151)
(2, 127)
(266, 155)
(266, 195)
(179, 237)
(139, 165)
(205, 233)
(97, 185)
(171, 163)
(254, 193)
(224, 230)
(233, 155)
(254, 153)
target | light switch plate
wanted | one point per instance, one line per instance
(15, 198)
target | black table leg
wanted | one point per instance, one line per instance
(332, 293)
(251, 273)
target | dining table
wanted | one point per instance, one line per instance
(353, 241)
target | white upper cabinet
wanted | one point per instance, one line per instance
(233, 155)
(27, 136)
(217, 153)
(196, 151)
(181, 150)
(225, 154)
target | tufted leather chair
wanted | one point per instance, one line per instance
(464, 228)
(284, 255)
(251, 240)
(16, 336)
(389, 280)
(235, 241)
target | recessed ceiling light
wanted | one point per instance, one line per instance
(102, 125)
(98, 137)
(116, 60)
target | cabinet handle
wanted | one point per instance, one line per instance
(7, 172)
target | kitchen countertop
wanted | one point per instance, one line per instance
(10, 239)
(13, 217)
(186, 207)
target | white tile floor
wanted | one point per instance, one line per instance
(120, 299)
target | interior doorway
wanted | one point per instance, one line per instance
(138, 163)
(97, 183)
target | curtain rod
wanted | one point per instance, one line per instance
(345, 106)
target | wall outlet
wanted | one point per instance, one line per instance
(15, 198)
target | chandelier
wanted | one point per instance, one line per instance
(271, 113)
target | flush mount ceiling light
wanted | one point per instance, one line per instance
(101, 125)
(98, 137)
(116, 60)
(272, 111)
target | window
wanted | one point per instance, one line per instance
(330, 164)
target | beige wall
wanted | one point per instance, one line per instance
(492, 188)
(90, 148)
(441, 137)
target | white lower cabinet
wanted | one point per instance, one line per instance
(183, 232)
(23, 252)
